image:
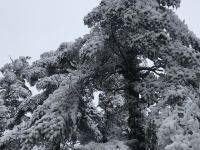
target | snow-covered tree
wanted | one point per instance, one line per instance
(13, 90)
(3, 116)
(13, 87)
(145, 63)
(153, 50)
(56, 114)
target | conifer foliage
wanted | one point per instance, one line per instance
(131, 83)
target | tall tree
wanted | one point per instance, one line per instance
(141, 57)
(135, 31)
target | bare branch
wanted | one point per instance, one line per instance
(11, 59)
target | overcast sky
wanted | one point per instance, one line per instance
(30, 27)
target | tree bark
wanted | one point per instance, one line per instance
(134, 103)
(54, 146)
(136, 119)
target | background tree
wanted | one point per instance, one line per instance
(3, 115)
(13, 91)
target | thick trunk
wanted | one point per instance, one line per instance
(136, 117)
(54, 146)
(2, 147)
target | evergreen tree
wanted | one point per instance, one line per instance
(13, 91)
(139, 31)
(3, 115)
(144, 61)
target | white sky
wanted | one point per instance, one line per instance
(30, 27)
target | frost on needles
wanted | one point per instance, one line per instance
(139, 57)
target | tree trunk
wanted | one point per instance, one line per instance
(54, 146)
(136, 117)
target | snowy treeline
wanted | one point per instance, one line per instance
(131, 83)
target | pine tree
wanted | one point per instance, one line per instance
(142, 58)
(13, 91)
(136, 32)
(3, 117)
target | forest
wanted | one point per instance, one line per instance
(131, 83)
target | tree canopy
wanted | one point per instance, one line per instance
(131, 83)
